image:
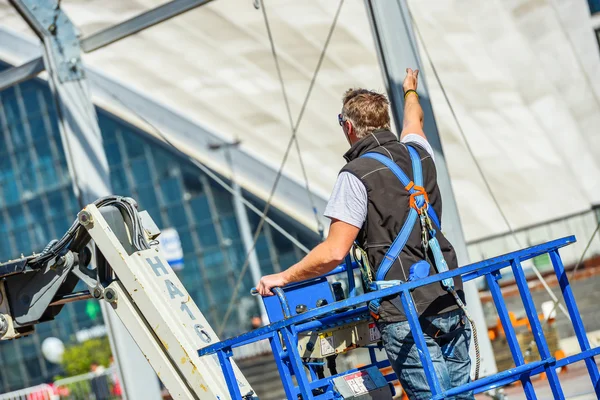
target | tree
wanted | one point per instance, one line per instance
(78, 358)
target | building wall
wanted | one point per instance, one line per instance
(37, 204)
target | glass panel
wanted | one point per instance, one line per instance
(29, 179)
(17, 135)
(213, 263)
(118, 181)
(262, 247)
(5, 168)
(147, 198)
(187, 244)
(6, 252)
(286, 260)
(191, 183)
(229, 227)
(236, 254)
(12, 372)
(11, 107)
(164, 162)
(177, 216)
(108, 126)
(39, 237)
(200, 299)
(191, 270)
(221, 290)
(73, 206)
(133, 144)
(56, 204)
(22, 241)
(34, 370)
(45, 166)
(60, 226)
(200, 208)
(223, 199)
(282, 244)
(266, 266)
(113, 153)
(30, 98)
(17, 217)
(171, 190)
(207, 235)
(10, 190)
(141, 171)
(37, 128)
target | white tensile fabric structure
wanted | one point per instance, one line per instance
(521, 76)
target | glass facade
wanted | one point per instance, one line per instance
(37, 204)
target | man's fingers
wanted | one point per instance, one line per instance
(416, 73)
(263, 289)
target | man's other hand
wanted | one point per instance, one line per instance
(268, 282)
(411, 80)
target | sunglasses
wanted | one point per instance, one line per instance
(341, 120)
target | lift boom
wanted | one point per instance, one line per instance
(133, 276)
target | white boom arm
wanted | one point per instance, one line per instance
(161, 316)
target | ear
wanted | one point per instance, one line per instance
(350, 128)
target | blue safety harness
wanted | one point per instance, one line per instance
(419, 210)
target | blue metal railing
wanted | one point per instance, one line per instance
(289, 361)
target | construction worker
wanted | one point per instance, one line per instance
(370, 206)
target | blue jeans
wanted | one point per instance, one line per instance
(449, 353)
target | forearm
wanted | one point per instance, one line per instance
(413, 113)
(319, 261)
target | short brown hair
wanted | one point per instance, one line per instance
(367, 110)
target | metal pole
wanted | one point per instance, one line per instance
(88, 166)
(397, 50)
(241, 215)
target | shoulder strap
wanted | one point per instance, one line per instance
(391, 165)
(415, 158)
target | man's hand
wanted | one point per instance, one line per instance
(268, 282)
(411, 80)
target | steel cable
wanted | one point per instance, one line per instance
(287, 151)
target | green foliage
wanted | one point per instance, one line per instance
(78, 358)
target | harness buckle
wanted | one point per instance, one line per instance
(416, 191)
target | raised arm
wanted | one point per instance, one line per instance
(413, 113)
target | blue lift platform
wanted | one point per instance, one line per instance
(310, 307)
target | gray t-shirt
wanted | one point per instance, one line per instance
(348, 201)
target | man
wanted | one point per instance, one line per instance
(370, 205)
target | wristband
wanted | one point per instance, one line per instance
(409, 91)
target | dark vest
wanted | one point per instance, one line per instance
(388, 209)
